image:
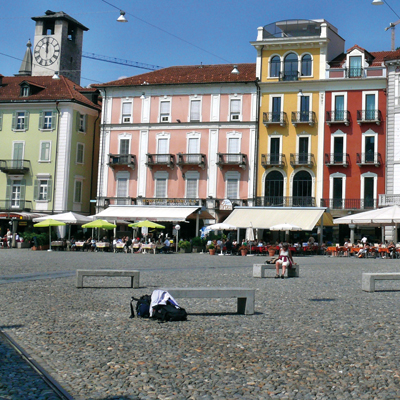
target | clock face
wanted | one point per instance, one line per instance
(47, 51)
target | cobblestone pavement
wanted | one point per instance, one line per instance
(318, 336)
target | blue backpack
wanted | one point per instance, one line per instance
(142, 306)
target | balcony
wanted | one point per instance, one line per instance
(302, 159)
(338, 117)
(151, 201)
(15, 205)
(369, 117)
(303, 117)
(282, 201)
(20, 167)
(191, 159)
(337, 159)
(389, 200)
(160, 159)
(122, 160)
(226, 159)
(365, 159)
(355, 72)
(289, 76)
(273, 160)
(274, 118)
(349, 204)
(115, 201)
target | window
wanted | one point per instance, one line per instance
(355, 69)
(276, 109)
(81, 123)
(305, 108)
(232, 185)
(235, 109)
(337, 198)
(195, 111)
(306, 65)
(46, 120)
(291, 67)
(122, 188)
(192, 184)
(274, 150)
(234, 150)
(42, 190)
(338, 149)
(20, 121)
(339, 108)
(80, 153)
(25, 91)
(126, 112)
(124, 146)
(369, 189)
(162, 150)
(274, 188)
(303, 149)
(193, 148)
(45, 151)
(302, 189)
(165, 111)
(370, 110)
(16, 194)
(161, 179)
(275, 67)
(370, 147)
(78, 191)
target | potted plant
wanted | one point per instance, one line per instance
(211, 249)
(184, 246)
(243, 250)
(198, 244)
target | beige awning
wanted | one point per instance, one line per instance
(265, 217)
(153, 213)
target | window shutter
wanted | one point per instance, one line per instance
(122, 187)
(233, 145)
(195, 110)
(26, 120)
(23, 186)
(36, 190)
(14, 120)
(126, 109)
(1, 120)
(49, 189)
(235, 106)
(164, 108)
(85, 122)
(41, 116)
(77, 121)
(231, 189)
(161, 188)
(54, 120)
(8, 192)
(191, 188)
(124, 146)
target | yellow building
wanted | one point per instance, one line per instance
(291, 65)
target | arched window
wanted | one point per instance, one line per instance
(302, 189)
(306, 64)
(291, 67)
(274, 189)
(275, 67)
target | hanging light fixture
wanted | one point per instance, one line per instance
(56, 76)
(143, 96)
(122, 18)
(235, 70)
(377, 2)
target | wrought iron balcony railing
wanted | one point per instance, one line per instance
(15, 166)
(389, 200)
(115, 201)
(338, 117)
(369, 159)
(122, 159)
(355, 72)
(283, 201)
(15, 205)
(301, 159)
(191, 159)
(160, 159)
(238, 159)
(289, 76)
(349, 204)
(154, 201)
(273, 160)
(369, 116)
(339, 159)
(303, 117)
(274, 118)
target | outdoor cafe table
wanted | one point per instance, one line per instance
(148, 246)
(80, 245)
(102, 245)
(57, 244)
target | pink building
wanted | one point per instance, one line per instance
(180, 136)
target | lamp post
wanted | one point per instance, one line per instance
(177, 227)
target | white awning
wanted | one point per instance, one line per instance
(152, 213)
(264, 217)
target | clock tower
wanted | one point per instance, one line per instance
(58, 46)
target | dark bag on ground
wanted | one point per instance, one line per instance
(169, 312)
(142, 306)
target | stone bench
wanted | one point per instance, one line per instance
(368, 279)
(133, 274)
(245, 296)
(259, 270)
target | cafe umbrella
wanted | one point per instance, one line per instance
(100, 224)
(49, 223)
(146, 224)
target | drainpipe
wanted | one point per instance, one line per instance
(56, 156)
(101, 150)
(256, 142)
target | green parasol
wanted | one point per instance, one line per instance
(49, 223)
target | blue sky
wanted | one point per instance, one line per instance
(218, 31)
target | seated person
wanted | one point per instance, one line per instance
(72, 243)
(167, 246)
(285, 260)
(228, 245)
(128, 244)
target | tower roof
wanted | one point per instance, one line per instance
(51, 15)
(26, 65)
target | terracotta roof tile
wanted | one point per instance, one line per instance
(50, 89)
(220, 73)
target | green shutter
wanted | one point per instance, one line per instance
(23, 186)
(1, 120)
(49, 189)
(26, 120)
(86, 122)
(41, 116)
(54, 120)
(14, 121)
(36, 190)
(77, 122)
